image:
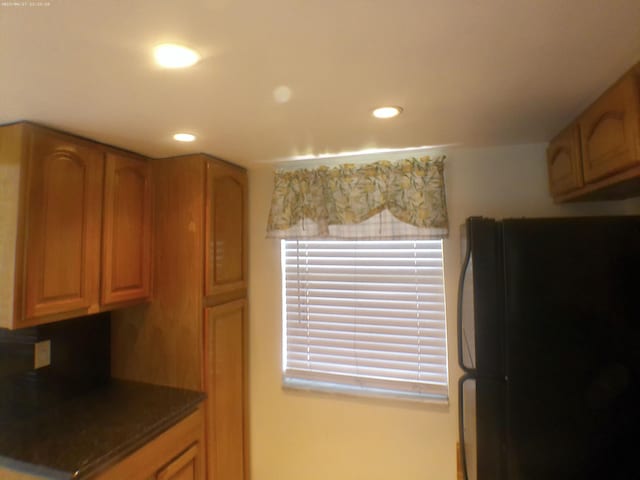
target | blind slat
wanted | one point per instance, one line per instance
(404, 333)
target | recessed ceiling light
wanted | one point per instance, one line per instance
(184, 137)
(169, 55)
(387, 112)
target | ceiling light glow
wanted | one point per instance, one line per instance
(169, 55)
(282, 94)
(184, 137)
(387, 112)
(367, 152)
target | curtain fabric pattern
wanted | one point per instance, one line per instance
(404, 199)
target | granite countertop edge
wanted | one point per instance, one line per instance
(118, 454)
(99, 425)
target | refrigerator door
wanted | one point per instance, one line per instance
(467, 433)
(480, 304)
(481, 428)
(573, 348)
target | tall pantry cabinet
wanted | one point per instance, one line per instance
(194, 332)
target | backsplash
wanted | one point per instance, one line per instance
(80, 361)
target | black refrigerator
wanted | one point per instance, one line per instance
(549, 342)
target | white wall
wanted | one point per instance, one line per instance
(312, 436)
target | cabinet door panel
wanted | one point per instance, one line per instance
(563, 162)
(225, 379)
(226, 215)
(126, 249)
(185, 467)
(609, 131)
(63, 225)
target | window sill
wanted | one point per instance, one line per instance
(362, 392)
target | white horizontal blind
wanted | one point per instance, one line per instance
(365, 316)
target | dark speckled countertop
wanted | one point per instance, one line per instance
(85, 436)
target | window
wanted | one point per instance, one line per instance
(365, 317)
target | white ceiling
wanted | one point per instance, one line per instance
(467, 72)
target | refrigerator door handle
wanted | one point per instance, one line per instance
(463, 271)
(461, 438)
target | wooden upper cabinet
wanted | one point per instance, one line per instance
(64, 205)
(225, 384)
(126, 248)
(226, 232)
(610, 130)
(604, 162)
(564, 163)
(54, 209)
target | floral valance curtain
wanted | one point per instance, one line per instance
(386, 200)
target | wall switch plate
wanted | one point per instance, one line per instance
(42, 354)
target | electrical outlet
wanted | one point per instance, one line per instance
(42, 354)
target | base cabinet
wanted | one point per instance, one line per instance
(176, 454)
(185, 467)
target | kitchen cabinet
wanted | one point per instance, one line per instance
(176, 454)
(62, 222)
(564, 162)
(598, 156)
(192, 334)
(126, 252)
(226, 210)
(225, 380)
(185, 467)
(610, 130)
(52, 191)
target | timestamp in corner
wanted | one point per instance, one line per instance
(6, 3)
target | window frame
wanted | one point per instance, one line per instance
(322, 382)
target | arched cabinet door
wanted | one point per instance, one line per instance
(226, 235)
(564, 163)
(126, 247)
(64, 207)
(609, 131)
